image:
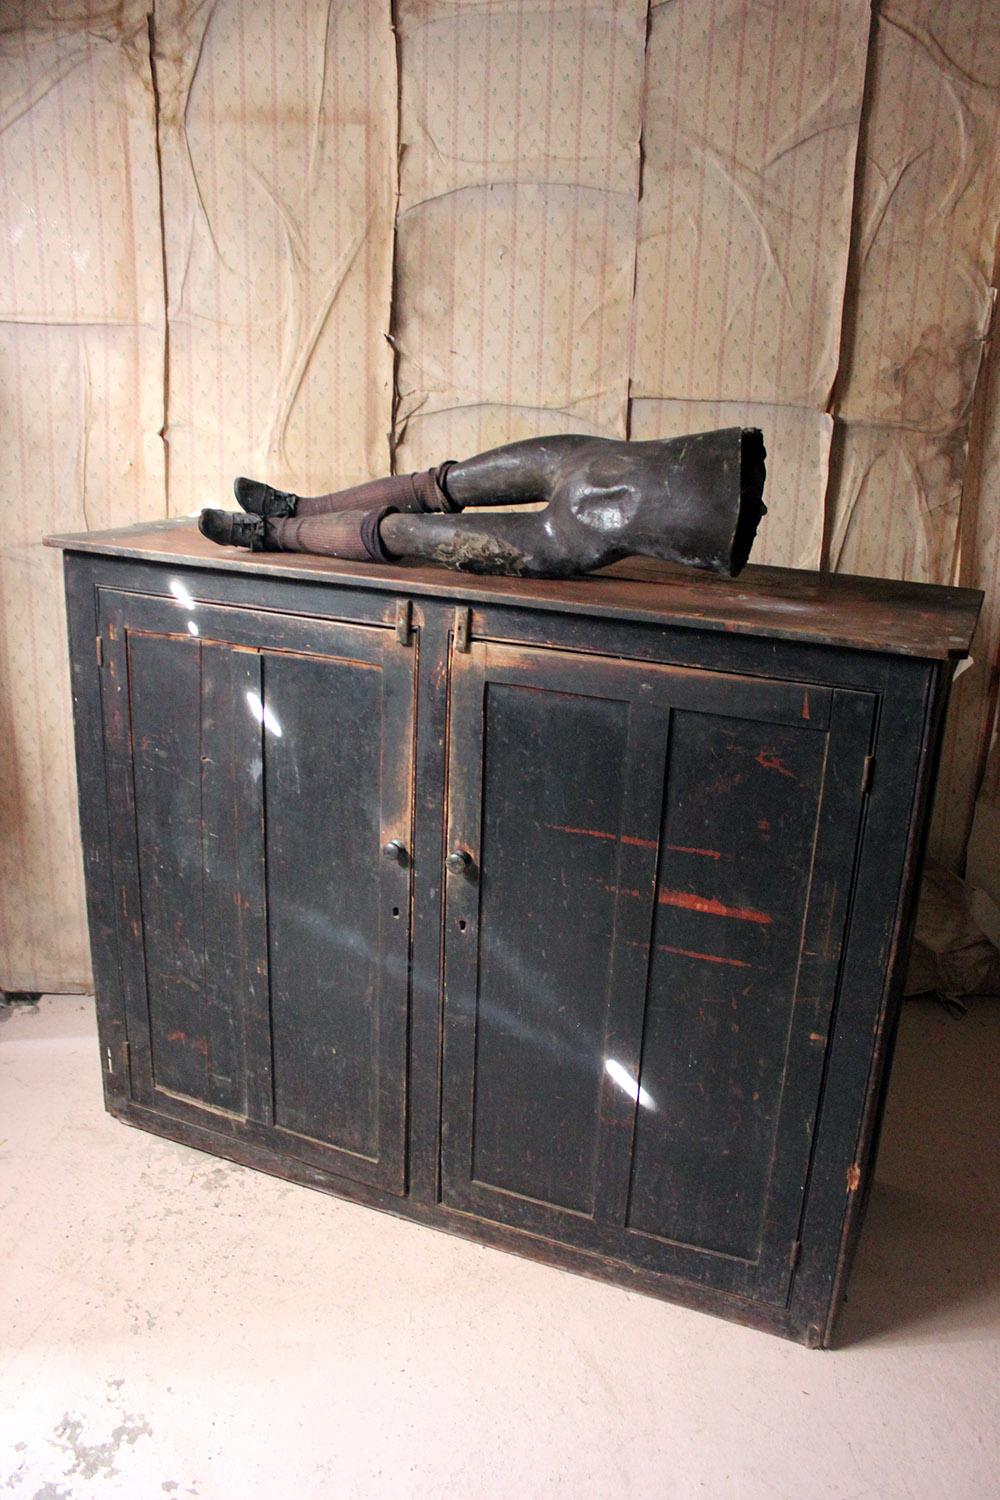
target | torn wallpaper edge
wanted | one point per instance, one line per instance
(165, 384)
(848, 311)
(397, 425)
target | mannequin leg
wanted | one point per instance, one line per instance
(517, 544)
(515, 474)
(523, 545)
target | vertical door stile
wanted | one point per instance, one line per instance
(251, 850)
(638, 856)
(230, 736)
(125, 851)
(466, 753)
(395, 824)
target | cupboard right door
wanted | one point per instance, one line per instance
(648, 887)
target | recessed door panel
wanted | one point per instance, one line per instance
(322, 785)
(739, 823)
(547, 910)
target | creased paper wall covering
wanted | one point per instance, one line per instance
(971, 750)
(920, 298)
(905, 500)
(316, 241)
(81, 406)
(278, 150)
(749, 135)
(519, 177)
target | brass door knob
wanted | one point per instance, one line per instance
(459, 861)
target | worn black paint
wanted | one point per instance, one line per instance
(581, 1175)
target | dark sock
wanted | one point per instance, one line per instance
(349, 534)
(414, 493)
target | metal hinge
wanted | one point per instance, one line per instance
(794, 1254)
(99, 649)
(866, 775)
(463, 628)
(404, 621)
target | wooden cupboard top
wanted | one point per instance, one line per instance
(869, 614)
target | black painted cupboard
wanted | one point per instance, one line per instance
(569, 916)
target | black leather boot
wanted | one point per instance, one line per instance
(263, 500)
(230, 529)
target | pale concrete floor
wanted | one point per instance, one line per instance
(174, 1325)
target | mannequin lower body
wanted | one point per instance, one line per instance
(694, 500)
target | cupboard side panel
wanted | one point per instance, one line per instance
(907, 744)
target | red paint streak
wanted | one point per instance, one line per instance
(774, 763)
(197, 1044)
(590, 833)
(710, 958)
(689, 849)
(805, 704)
(598, 833)
(712, 907)
(724, 784)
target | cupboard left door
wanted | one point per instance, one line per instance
(260, 788)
